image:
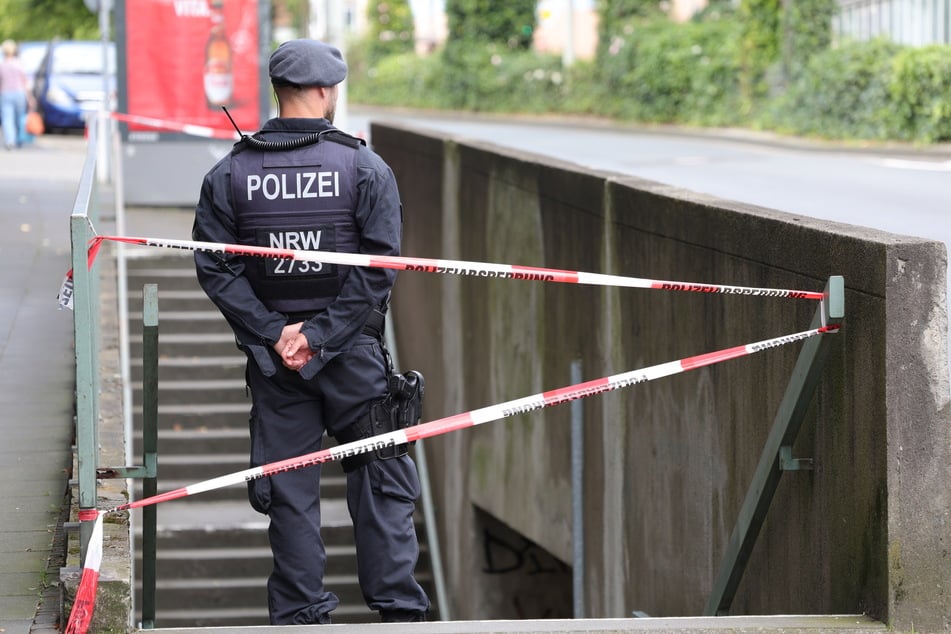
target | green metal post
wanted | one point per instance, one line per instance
(86, 337)
(87, 413)
(149, 447)
(786, 425)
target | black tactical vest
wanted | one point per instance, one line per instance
(296, 199)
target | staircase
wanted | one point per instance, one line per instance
(213, 557)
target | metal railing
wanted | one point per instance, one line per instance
(776, 456)
(911, 22)
(86, 332)
(426, 499)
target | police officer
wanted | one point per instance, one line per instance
(312, 333)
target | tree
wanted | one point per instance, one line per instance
(479, 30)
(616, 19)
(293, 15)
(47, 19)
(806, 30)
(759, 46)
(614, 14)
(391, 28)
(487, 21)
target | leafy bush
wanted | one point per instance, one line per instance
(759, 46)
(920, 89)
(659, 71)
(496, 80)
(499, 79)
(842, 93)
(406, 80)
(870, 90)
(806, 27)
(653, 70)
(614, 16)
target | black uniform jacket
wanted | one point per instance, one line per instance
(378, 216)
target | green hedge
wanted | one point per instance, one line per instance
(842, 93)
(490, 78)
(920, 91)
(657, 71)
(871, 90)
(670, 73)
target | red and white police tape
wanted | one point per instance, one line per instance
(175, 126)
(479, 416)
(418, 432)
(85, 602)
(81, 614)
(445, 267)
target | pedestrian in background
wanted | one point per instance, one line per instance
(14, 99)
(312, 333)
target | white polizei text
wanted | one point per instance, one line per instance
(293, 186)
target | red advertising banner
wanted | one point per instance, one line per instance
(185, 59)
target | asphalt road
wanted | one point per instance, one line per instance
(896, 189)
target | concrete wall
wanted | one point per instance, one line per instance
(667, 463)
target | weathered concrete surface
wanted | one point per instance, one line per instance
(667, 464)
(847, 624)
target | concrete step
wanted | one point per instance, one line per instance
(254, 615)
(203, 580)
(214, 592)
(251, 617)
(197, 416)
(782, 624)
(223, 365)
(232, 562)
(186, 344)
(184, 298)
(213, 557)
(197, 391)
(181, 321)
(167, 275)
(178, 442)
(197, 466)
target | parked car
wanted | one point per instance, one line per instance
(31, 55)
(70, 84)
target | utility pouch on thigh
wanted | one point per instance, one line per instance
(399, 409)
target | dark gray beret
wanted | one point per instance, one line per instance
(307, 63)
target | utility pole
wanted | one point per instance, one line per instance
(568, 52)
(102, 8)
(327, 25)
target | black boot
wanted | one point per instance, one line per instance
(402, 616)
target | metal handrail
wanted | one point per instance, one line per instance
(426, 498)
(86, 332)
(86, 335)
(776, 455)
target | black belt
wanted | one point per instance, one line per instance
(374, 327)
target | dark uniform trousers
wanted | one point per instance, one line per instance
(289, 416)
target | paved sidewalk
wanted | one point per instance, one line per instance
(38, 186)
